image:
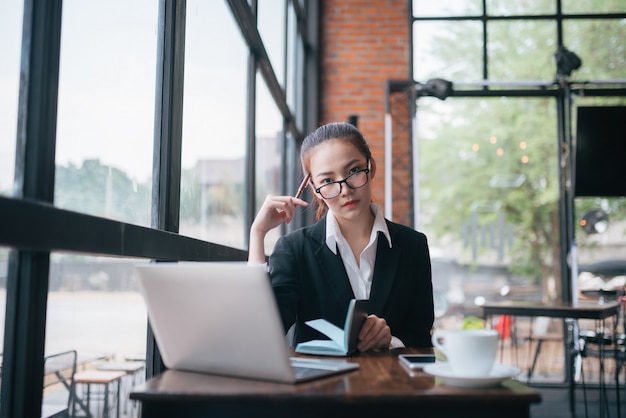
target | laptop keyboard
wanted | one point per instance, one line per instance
(308, 368)
(301, 372)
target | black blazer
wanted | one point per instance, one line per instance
(311, 282)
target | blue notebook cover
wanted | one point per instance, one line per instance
(342, 342)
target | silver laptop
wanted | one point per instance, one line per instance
(221, 318)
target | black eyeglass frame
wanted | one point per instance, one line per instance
(366, 170)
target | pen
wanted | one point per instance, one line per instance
(303, 185)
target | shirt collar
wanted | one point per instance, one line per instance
(333, 233)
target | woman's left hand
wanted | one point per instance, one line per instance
(375, 333)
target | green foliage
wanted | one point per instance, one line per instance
(101, 190)
(458, 161)
(461, 163)
(473, 322)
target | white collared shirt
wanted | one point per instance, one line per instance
(361, 274)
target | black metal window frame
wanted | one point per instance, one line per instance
(32, 227)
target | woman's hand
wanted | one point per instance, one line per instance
(375, 333)
(274, 211)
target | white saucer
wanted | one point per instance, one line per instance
(499, 373)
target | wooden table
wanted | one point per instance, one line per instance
(567, 311)
(380, 387)
(584, 310)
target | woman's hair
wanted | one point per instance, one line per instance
(338, 130)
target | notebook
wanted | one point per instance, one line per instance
(343, 342)
(221, 318)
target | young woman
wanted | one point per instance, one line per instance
(351, 252)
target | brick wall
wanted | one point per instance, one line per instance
(363, 45)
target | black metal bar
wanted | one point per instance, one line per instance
(564, 215)
(559, 23)
(311, 92)
(285, 175)
(168, 115)
(485, 51)
(27, 281)
(301, 20)
(576, 16)
(167, 136)
(538, 90)
(25, 326)
(250, 163)
(34, 226)
(564, 245)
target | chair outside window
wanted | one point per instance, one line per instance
(58, 384)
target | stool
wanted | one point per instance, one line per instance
(99, 377)
(134, 376)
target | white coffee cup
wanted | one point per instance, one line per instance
(470, 353)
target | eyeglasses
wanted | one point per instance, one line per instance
(355, 180)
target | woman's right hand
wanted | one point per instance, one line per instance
(274, 211)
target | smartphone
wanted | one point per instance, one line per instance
(416, 361)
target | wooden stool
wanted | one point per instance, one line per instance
(134, 376)
(99, 377)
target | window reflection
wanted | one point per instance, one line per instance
(106, 108)
(11, 34)
(214, 126)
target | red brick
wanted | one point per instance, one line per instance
(363, 45)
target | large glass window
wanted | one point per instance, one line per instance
(11, 34)
(106, 109)
(104, 157)
(214, 126)
(489, 166)
(489, 197)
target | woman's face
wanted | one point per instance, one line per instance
(334, 160)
